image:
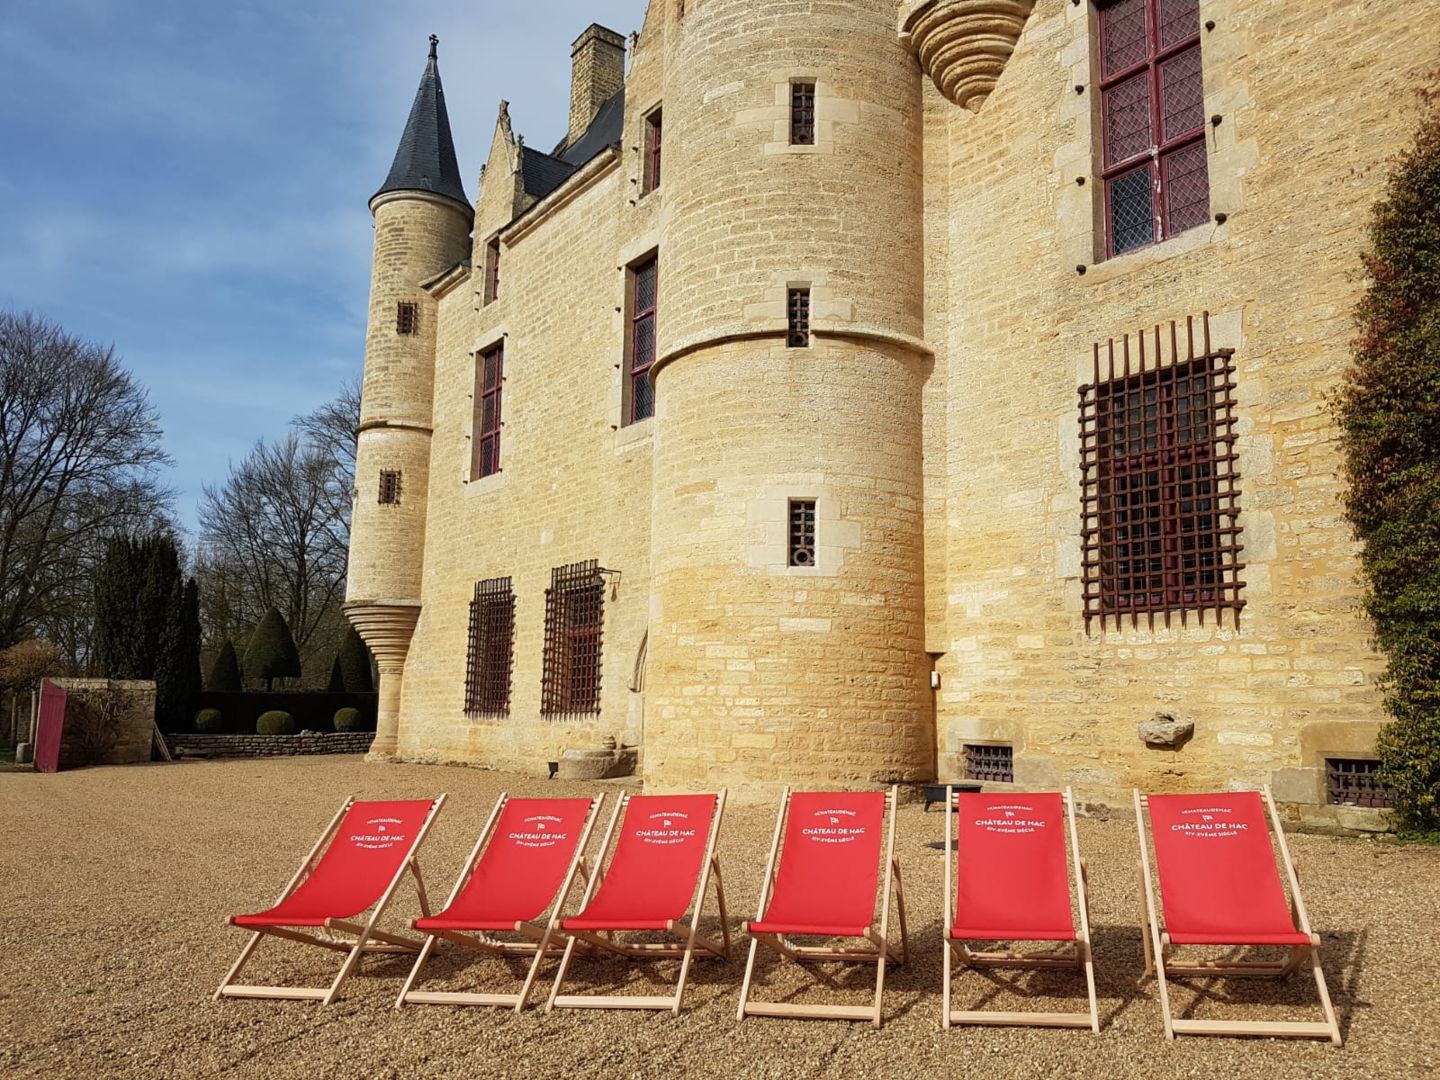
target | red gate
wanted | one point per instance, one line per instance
(52, 723)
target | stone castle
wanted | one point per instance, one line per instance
(864, 391)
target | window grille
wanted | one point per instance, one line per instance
(802, 114)
(994, 764)
(492, 271)
(644, 282)
(389, 487)
(574, 625)
(1356, 782)
(802, 532)
(1160, 508)
(1152, 105)
(798, 309)
(490, 380)
(653, 132)
(490, 654)
(407, 317)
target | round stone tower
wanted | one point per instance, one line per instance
(422, 228)
(794, 196)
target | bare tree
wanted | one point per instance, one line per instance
(332, 429)
(270, 538)
(80, 459)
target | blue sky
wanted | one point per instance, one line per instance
(188, 181)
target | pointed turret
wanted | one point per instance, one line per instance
(425, 159)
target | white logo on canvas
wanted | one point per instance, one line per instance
(836, 830)
(378, 835)
(537, 831)
(1015, 818)
(1208, 827)
(667, 832)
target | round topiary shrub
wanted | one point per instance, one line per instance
(210, 721)
(348, 720)
(275, 722)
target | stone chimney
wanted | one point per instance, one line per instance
(597, 73)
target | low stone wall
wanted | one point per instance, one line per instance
(338, 742)
(125, 741)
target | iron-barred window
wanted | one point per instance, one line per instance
(574, 624)
(1160, 502)
(491, 649)
(992, 764)
(389, 487)
(653, 132)
(797, 309)
(1152, 105)
(1356, 782)
(644, 282)
(802, 114)
(489, 381)
(407, 317)
(802, 532)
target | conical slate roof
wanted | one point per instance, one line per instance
(425, 160)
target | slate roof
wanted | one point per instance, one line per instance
(425, 160)
(543, 173)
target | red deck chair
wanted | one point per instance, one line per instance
(532, 850)
(372, 845)
(1219, 886)
(825, 886)
(663, 860)
(1012, 883)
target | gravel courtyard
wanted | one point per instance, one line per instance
(117, 883)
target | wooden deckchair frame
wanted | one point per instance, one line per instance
(1078, 955)
(881, 949)
(1158, 944)
(538, 946)
(363, 933)
(686, 932)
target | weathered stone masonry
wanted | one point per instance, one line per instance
(948, 220)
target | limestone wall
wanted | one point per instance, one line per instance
(1311, 101)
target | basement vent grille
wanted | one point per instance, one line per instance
(1356, 782)
(993, 764)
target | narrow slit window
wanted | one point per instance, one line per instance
(489, 384)
(639, 394)
(389, 487)
(407, 317)
(802, 114)
(653, 139)
(1152, 104)
(990, 764)
(798, 311)
(802, 532)
(574, 632)
(1160, 491)
(490, 654)
(492, 271)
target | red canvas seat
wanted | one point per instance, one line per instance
(531, 849)
(368, 848)
(662, 861)
(1218, 883)
(826, 885)
(829, 867)
(373, 841)
(1219, 886)
(1012, 883)
(523, 863)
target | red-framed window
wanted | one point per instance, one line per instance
(644, 282)
(492, 271)
(653, 138)
(489, 380)
(1152, 105)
